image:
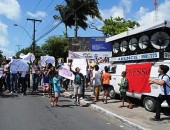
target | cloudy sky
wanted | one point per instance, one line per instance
(12, 12)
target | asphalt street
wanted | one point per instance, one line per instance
(32, 112)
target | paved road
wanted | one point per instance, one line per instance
(32, 112)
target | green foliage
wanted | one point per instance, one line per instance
(117, 25)
(55, 46)
(75, 13)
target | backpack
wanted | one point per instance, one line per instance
(165, 84)
(127, 85)
(78, 78)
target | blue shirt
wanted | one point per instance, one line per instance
(56, 84)
(45, 78)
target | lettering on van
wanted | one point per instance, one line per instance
(136, 57)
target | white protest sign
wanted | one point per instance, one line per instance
(46, 60)
(29, 57)
(81, 63)
(65, 72)
(19, 65)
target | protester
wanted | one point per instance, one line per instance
(23, 82)
(66, 83)
(164, 84)
(45, 84)
(7, 76)
(96, 82)
(50, 73)
(35, 75)
(79, 79)
(57, 89)
(106, 77)
(123, 88)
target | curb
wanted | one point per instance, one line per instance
(116, 117)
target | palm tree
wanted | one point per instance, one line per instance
(80, 10)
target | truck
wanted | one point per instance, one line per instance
(139, 52)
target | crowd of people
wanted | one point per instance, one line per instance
(48, 77)
(51, 83)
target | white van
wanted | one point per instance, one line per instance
(147, 44)
(147, 98)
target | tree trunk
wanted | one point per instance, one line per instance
(75, 27)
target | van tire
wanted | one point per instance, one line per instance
(112, 94)
(149, 103)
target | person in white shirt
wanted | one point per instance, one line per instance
(164, 83)
(96, 82)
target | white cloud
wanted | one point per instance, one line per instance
(126, 5)
(3, 34)
(7, 52)
(37, 14)
(10, 9)
(163, 14)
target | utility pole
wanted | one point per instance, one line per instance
(33, 40)
(18, 47)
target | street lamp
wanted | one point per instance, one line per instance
(27, 33)
(24, 30)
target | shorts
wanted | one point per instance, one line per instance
(97, 89)
(106, 87)
(77, 89)
(56, 94)
(46, 86)
(123, 95)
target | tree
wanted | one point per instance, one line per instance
(80, 10)
(63, 10)
(117, 25)
(56, 46)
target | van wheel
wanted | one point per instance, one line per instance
(112, 94)
(149, 104)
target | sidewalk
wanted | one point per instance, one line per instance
(136, 118)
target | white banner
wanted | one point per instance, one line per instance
(81, 63)
(19, 65)
(47, 59)
(65, 72)
(136, 57)
(30, 57)
(89, 55)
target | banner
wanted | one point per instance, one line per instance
(89, 55)
(19, 65)
(47, 59)
(99, 44)
(30, 57)
(138, 77)
(65, 72)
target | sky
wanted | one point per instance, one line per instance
(14, 38)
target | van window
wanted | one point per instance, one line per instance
(112, 69)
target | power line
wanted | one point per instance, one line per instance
(46, 33)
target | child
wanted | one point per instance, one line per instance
(57, 89)
(123, 88)
(45, 83)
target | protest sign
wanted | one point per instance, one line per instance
(19, 65)
(81, 63)
(65, 72)
(30, 57)
(46, 60)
